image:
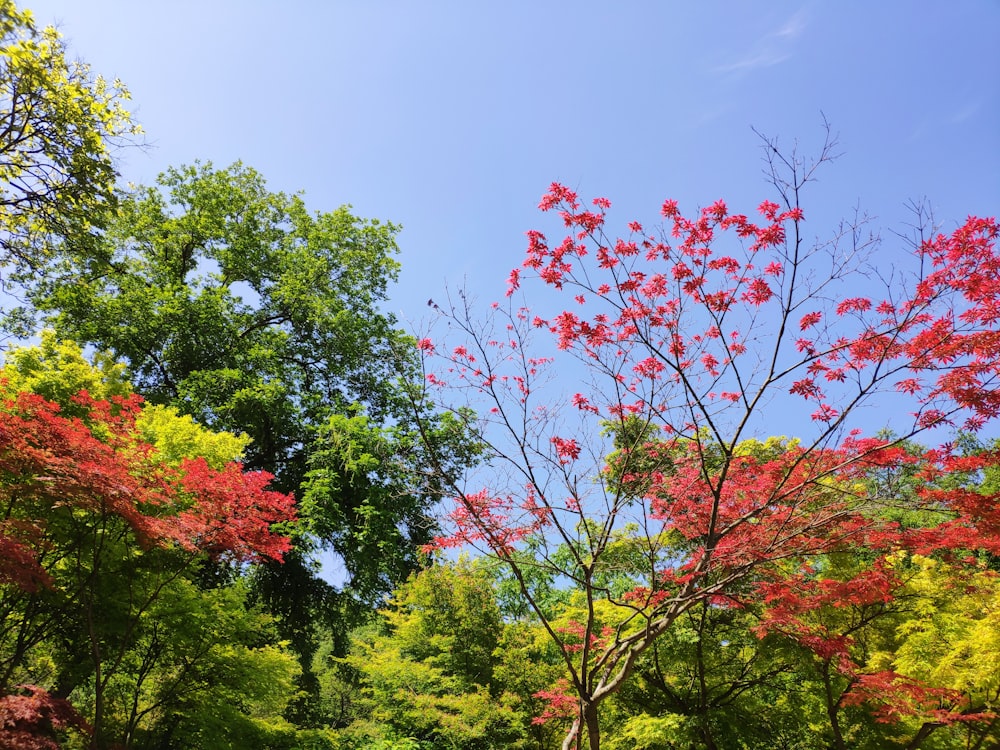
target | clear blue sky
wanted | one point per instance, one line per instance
(451, 118)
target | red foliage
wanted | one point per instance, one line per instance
(895, 696)
(32, 719)
(936, 344)
(560, 703)
(231, 513)
(51, 464)
(18, 564)
(695, 342)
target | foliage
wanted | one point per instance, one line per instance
(30, 719)
(56, 370)
(240, 308)
(101, 543)
(58, 127)
(712, 683)
(363, 495)
(920, 663)
(688, 334)
(429, 672)
(949, 642)
(648, 733)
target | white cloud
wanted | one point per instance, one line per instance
(763, 59)
(793, 26)
(772, 48)
(967, 112)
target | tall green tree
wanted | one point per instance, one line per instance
(432, 668)
(240, 307)
(243, 309)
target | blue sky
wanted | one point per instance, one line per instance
(451, 118)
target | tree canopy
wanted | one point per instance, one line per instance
(240, 308)
(100, 545)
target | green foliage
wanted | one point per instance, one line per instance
(447, 616)
(243, 310)
(946, 637)
(635, 456)
(200, 669)
(527, 662)
(240, 308)
(644, 732)
(710, 682)
(60, 123)
(428, 672)
(178, 436)
(364, 498)
(57, 370)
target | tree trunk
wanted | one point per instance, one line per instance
(922, 734)
(832, 709)
(593, 725)
(587, 720)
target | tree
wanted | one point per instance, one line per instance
(439, 667)
(894, 633)
(696, 333)
(101, 538)
(32, 718)
(203, 669)
(241, 308)
(710, 682)
(57, 128)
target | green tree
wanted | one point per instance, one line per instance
(58, 126)
(711, 683)
(56, 370)
(239, 307)
(430, 670)
(203, 670)
(947, 639)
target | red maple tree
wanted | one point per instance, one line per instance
(72, 486)
(692, 338)
(30, 719)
